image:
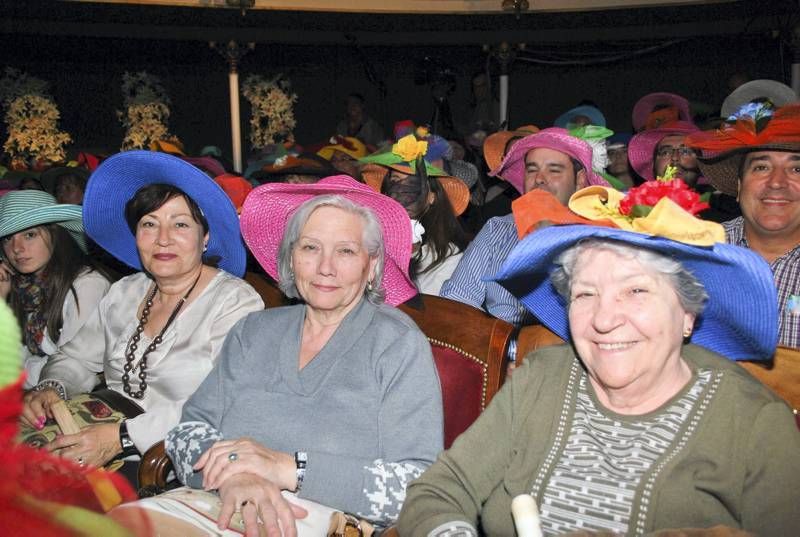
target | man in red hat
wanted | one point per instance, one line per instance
(550, 160)
(759, 162)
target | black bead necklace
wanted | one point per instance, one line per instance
(130, 351)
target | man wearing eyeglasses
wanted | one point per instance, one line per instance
(651, 151)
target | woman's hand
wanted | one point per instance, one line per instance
(5, 279)
(36, 407)
(250, 457)
(94, 445)
(258, 498)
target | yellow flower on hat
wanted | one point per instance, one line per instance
(409, 148)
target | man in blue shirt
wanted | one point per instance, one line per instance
(550, 160)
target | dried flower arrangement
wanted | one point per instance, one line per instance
(31, 119)
(146, 111)
(272, 104)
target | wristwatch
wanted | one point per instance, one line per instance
(128, 447)
(301, 460)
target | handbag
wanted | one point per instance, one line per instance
(100, 406)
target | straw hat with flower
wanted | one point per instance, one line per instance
(403, 157)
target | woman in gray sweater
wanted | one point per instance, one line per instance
(336, 398)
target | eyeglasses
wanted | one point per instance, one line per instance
(682, 151)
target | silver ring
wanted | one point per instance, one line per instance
(233, 456)
(80, 461)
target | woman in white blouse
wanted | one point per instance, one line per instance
(157, 333)
(45, 275)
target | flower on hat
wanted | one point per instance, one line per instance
(664, 208)
(640, 200)
(409, 148)
(756, 111)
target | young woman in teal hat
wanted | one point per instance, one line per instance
(45, 275)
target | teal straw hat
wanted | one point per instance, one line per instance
(23, 209)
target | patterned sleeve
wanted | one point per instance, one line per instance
(185, 444)
(454, 529)
(466, 283)
(410, 430)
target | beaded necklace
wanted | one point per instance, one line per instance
(130, 351)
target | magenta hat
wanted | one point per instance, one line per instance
(267, 210)
(641, 148)
(512, 167)
(644, 107)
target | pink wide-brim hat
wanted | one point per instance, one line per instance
(641, 148)
(644, 107)
(267, 210)
(512, 167)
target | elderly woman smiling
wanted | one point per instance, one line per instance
(155, 334)
(336, 398)
(631, 429)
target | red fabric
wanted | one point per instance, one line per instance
(34, 484)
(462, 388)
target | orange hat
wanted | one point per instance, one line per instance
(496, 145)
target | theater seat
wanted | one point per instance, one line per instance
(469, 348)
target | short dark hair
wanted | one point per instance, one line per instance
(149, 198)
(577, 166)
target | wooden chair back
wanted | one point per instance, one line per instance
(531, 338)
(469, 348)
(781, 374)
(269, 290)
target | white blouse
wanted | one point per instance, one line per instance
(90, 286)
(175, 368)
(431, 282)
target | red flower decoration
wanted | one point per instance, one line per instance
(640, 200)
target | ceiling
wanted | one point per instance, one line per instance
(450, 7)
(477, 22)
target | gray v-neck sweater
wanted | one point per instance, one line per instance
(367, 408)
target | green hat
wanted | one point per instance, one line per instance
(403, 155)
(22, 209)
(10, 363)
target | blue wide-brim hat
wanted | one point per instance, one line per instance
(119, 177)
(740, 319)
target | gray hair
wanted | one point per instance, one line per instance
(372, 240)
(691, 293)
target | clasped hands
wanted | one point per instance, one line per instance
(249, 478)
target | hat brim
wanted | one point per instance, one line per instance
(455, 189)
(644, 107)
(642, 147)
(512, 167)
(595, 116)
(740, 324)
(267, 210)
(118, 179)
(778, 93)
(722, 170)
